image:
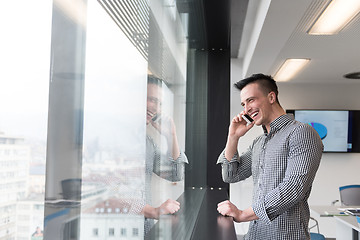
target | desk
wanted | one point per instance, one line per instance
(332, 223)
(347, 227)
(329, 211)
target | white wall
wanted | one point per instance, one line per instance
(336, 169)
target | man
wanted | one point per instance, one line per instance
(170, 165)
(283, 162)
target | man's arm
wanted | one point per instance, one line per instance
(168, 207)
(239, 167)
(175, 150)
(164, 165)
(167, 128)
(234, 167)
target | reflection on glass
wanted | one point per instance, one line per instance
(163, 155)
(165, 129)
(121, 137)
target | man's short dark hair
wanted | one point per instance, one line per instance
(266, 83)
(154, 80)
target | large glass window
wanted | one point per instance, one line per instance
(92, 118)
(116, 125)
(113, 162)
(24, 78)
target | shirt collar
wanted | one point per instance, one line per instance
(278, 123)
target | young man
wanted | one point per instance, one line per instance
(283, 163)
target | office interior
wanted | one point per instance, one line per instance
(73, 109)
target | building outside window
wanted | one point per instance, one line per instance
(80, 136)
(23, 116)
(123, 232)
(135, 232)
(95, 232)
(111, 232)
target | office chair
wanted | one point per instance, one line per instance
(316, 236)
(313, 235)
(350, 195)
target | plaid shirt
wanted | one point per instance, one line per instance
(283, 164)
(165, 167)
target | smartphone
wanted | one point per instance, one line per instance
(247, 118)
(156, 118)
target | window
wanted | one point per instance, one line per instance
(95, 232)
(23, 107)
(123, 232)
(135, 232)
(111, 232)
(117, 99)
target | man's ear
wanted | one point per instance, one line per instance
(272, 97)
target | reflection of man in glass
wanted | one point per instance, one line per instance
(38, 234)
(169, 165)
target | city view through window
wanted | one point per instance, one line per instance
(116, 180)
(24, 77)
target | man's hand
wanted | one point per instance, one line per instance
(238, 126)
(165, 126)
(226, 208)
(169, 207)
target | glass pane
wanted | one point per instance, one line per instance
(115, 150)
(65, 120)
(166, 129)
(24, 61)
(113, 168)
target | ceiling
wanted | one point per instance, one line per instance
(265, 33)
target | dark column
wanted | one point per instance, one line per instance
(208, 92)
(196, 118)
(218, 113)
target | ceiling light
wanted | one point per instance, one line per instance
(290, 68)
(335, 17)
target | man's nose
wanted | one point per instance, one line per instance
(247, 108)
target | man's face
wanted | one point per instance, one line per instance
(256, 104)
(153, 101)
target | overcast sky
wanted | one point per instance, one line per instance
(113, 67)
